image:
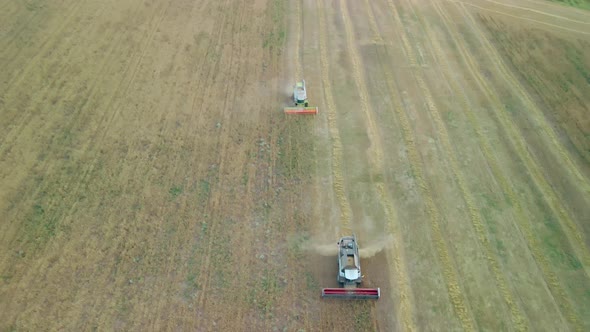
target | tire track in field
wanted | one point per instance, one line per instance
(298, 27)
(460, 303)
(474, 214)
(525, 226)
(337, 156)
(375, 157)
(574, 236)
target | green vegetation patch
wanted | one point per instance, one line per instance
(176, 191)
(40, 226)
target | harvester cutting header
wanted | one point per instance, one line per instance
(300, 101)
(349, 273)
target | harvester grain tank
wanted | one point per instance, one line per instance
(300, 101)
(349, 273)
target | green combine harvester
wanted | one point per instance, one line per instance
(300, 101)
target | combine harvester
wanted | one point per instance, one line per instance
(349, 273)
(300, 100)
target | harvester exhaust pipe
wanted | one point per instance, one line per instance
(352, 293)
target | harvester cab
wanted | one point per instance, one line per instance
(300, 101)
(349, 273)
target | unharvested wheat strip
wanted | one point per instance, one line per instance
(509, 77)
(458, 299)
(375, 156)
(375, 150)
(582, 32)
(214, 199)
(524, 224)
(298, 27)
(248, 236)
(377, 38)
(494, 266)
(491, 160)
(574, 236)
(339, 190)
(160, 304)
(224, 157)
(26, 280)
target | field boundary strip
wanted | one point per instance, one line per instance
(524, 225)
